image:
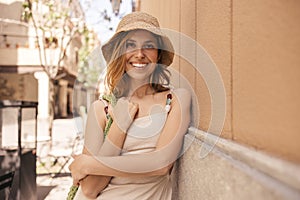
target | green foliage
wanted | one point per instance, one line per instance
(57, 18)
(88, 67)
(90, 62)
(26, 14)
(72, 192)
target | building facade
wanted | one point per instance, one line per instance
(45, 60)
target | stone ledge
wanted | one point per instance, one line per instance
(281, 170)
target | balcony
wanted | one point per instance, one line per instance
(30, 57)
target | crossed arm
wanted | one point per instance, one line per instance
(153, 163)
(92, 185)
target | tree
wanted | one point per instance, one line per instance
(56, 24)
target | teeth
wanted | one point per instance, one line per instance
(139, 65)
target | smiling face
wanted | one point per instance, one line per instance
(141, 55)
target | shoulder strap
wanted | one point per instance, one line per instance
(168, 102)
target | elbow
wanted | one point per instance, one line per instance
(89, 193)
(165, 170)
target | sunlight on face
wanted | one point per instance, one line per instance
(141, 54)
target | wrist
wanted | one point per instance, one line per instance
(117, 129)
(85, 169)
(115, 139)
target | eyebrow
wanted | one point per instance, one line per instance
(148, 41)
(130, 40)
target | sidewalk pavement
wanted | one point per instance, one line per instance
(53, 188)
(57, 187)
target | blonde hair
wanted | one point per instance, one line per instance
(116, 77)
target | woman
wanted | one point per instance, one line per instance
(149, 120)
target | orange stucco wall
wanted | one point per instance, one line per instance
(266, 76)
(256, 47)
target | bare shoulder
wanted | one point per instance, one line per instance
(183, 95)
(99, 103)
(182, 92)
(98, 108)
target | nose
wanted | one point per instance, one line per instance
(139, 53)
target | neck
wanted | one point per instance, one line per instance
(140, 89)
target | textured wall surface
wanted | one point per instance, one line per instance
(218, 176)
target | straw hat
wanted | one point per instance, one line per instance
(141, 20)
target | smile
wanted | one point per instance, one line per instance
(139, 65)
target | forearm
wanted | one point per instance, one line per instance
(114, 142)
(93, 184)
(153, 163)
(96, 167)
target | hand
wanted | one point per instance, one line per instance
(77, 168)
(123, 113)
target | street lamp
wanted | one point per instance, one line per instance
(116, 6)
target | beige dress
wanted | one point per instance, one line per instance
(141, 137)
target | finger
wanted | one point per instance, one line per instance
(75, 182)
(134, 108)
(135, 105)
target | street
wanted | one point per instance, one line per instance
(56, 186)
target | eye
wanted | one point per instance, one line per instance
(130, 45)
(149, 46)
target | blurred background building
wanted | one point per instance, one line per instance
(41, 46)
(41, 42)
